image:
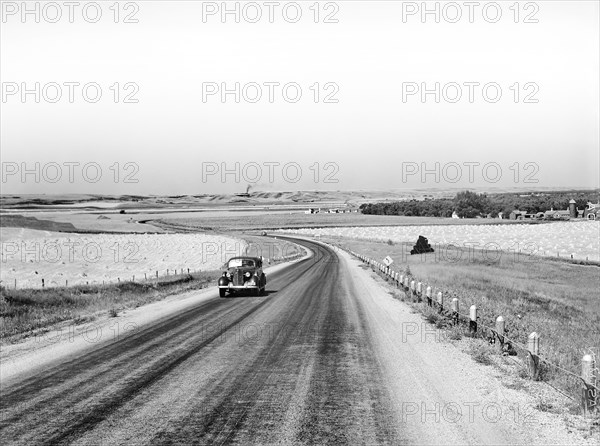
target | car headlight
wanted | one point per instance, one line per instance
(248, 274)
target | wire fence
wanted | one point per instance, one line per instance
(140, 277)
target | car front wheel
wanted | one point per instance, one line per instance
(222, 292)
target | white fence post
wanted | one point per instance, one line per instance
(454, 307)
(473, 319)
(533, 351)
(500, 330)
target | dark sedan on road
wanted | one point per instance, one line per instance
(243, 274)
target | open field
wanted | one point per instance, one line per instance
(218, 219)
(29, 255)
(61, 259)
(218, 215)
(282, 220)
(578, 238)
(558, 300)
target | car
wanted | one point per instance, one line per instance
(243, 274)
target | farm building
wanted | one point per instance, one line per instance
(557, 215)
(523, 215)
(592, 212)
(517, 215)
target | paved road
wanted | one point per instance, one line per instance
(311, 362)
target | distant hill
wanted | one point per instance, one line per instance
(252, 198)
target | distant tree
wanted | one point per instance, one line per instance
(469, 204)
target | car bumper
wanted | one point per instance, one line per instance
(238, 287)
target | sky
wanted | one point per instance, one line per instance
(507, 104)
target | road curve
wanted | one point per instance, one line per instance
(309, 363)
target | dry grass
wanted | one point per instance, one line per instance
(482, 353)
(27, 310)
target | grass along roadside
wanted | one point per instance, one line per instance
(24, 312)
(557, 300)
(512, 373)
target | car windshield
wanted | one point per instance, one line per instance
(236, 263)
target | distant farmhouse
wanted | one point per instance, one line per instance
(592, 212)
(347, 210)
(343, 211)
